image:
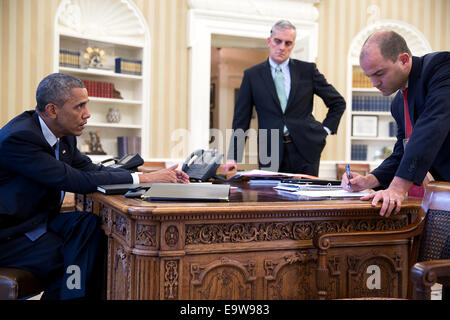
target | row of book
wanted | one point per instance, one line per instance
(359, 152)
(371, 103)
(69, 59)
(128, 145)
(99, 89)
(359, 80)
(128, 66)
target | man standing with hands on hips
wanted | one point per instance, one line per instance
(282, 90)
(421, 109)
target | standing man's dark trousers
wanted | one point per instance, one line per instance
(293, 162)
(68, 258)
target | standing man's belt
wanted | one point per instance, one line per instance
(287, 138)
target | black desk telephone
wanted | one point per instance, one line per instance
(129, 162)
(202, 165)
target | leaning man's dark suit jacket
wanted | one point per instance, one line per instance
(31, 178)
(258, 89)
(428, 148)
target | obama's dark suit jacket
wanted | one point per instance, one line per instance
(31, 178)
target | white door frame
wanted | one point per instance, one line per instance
(204, 21)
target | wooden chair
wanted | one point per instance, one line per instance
(431, 244)
(434, 252)
(18, 284)
(21, 284)
(361, 168)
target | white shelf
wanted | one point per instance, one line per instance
(113, 125)
(365, 90)
(115, 101)
(374, 138)
(372, 113)
(100, 72)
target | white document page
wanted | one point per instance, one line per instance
(340, 193)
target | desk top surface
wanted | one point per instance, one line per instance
(243, 197)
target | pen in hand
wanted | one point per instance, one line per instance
(347, 169)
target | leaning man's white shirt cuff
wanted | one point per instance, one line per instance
(135, 176)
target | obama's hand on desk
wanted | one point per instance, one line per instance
(169, 175)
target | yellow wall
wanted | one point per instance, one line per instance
(341, 20)
(26, 56)
(26, 53)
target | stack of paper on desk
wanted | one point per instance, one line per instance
(264, 174)
(303, 187)
(322, 193)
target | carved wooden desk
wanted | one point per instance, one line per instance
(257, 246)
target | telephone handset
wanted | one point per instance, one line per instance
(129, 162)
(202, 165)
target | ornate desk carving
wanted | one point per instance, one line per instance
(257, 246)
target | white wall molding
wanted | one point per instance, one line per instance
(115, 20)
(288, 9)
(416, 41)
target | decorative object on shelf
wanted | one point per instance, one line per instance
(382, 153)
(116, 94)
(128, 66)
(113, 115)
(386, 152)
(365, 126)
(94, 57)
(95, 147)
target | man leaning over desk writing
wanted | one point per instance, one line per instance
(423, 141)
(39, 159)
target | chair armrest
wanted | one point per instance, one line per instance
(425, 274)
(327, 240)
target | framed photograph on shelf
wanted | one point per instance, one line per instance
(365, 126)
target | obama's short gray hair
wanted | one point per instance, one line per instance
(55, 88)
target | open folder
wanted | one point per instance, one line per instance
(189, 191)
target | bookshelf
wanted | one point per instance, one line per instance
(371, 129)
(111, 57)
